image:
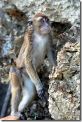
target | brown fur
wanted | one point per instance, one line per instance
(40, 15)
(25, 49)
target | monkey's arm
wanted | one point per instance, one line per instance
(25, 46)
(50, 57)
(33, 76)
(50, 54)
(35, 79)
(28, 63)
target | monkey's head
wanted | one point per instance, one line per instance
(41, 24)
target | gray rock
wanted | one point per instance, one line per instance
(64, 92)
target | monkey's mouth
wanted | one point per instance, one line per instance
(45, 30)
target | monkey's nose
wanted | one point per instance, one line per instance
(47, 25)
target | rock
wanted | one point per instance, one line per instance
(64, 92)
(13, 53)
(13, 11)
(56, 10)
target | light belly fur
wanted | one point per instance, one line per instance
(39, 50)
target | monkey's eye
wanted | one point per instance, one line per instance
(42, 20)
(47, 20)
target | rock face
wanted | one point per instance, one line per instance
(64, 83)
(14, 17)
(64, 86)
(57, 10)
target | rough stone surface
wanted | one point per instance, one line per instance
(64, 85)
(13, 26)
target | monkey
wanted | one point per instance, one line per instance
(25, 82)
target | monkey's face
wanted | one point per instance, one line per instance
(42, 25)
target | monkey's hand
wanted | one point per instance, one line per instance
(41, 93)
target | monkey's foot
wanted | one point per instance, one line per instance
(18, 114)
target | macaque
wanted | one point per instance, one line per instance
(25, 82)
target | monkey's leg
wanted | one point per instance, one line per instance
(28, 93)
(25, 101)
(15, 78)
(15, 101)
